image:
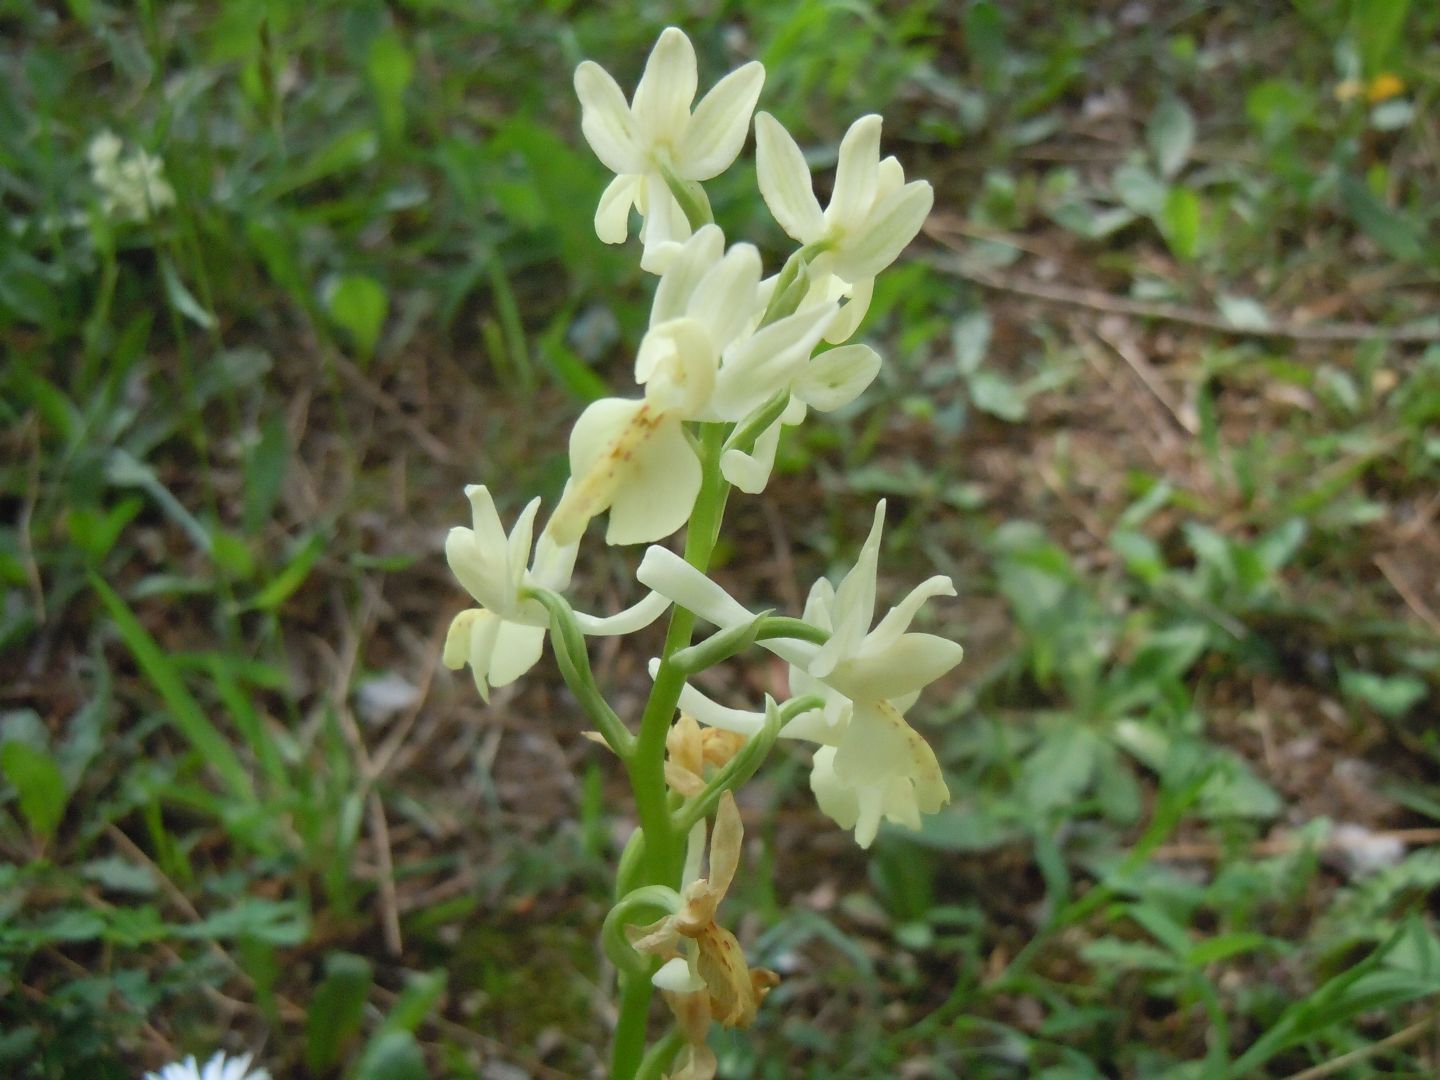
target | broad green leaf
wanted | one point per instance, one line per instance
(336, 1009)
(1398, 235)
(38, 783)
(994, 394)
(392, 1055)
(1171, 135)
(358, 305)
(1377, 25)
(971, 340)
(1391, 696)
(390, 68)
(1180, 222)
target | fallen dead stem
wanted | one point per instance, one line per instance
(946, 233)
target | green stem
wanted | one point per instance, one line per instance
(628, 1050)
(664, 848)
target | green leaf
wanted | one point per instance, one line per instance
(38, 784)
(994, 394)
(1061, 769)
(971, 340)
(265, 464)
(1376, 25)
(1398, 235)
(283, 585)
(1391, 696)
(183, 710)
(336, 1009)
(274, 922)
(392, 1055)
(181, 299)
(414, 1003)
(358, 305)
(1180, 222)
(1171, 135)
(390, 68)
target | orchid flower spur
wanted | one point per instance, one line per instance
(657, 147)
(871, 764)
(701, 359)
(871, 217)
(504, 637)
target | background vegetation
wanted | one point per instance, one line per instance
(1162, 392)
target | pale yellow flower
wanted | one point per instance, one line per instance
(654, 140)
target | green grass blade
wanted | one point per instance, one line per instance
(184, 711)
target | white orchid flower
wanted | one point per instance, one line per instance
(219, 1067)
(701, 359)
(655, 140)
(504, 637)
(876, 766)
(872, 215)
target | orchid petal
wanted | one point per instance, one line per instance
(662, 479)
(661, 104)
(837, 377)
(716, 131)
(911, 663)
(516, 650)
(606, 120)
(784, 180)
(887, 231)
(856, 174)
(724, 300)
(854, 602)
(678, 283)
(612, 216)
(898, 619)
(852, 312)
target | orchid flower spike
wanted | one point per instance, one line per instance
(504, 637)
(655, 145)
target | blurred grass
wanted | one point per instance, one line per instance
(1193, 746)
